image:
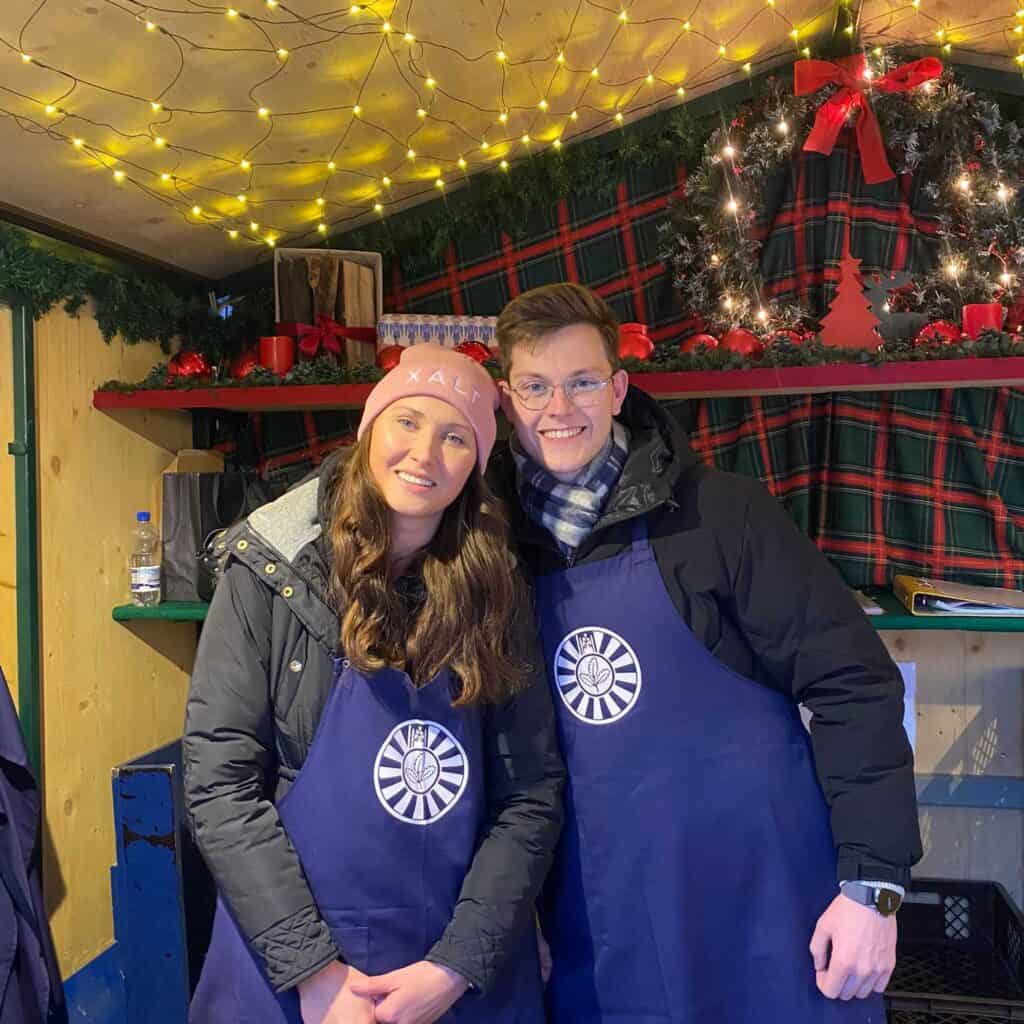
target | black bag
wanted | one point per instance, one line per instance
(197, 507)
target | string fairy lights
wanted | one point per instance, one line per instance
(413, 109)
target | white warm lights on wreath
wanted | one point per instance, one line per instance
(715, 260)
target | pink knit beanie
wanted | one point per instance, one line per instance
(440, 373)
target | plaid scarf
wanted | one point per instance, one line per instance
(570, 511)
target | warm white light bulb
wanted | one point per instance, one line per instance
(462, 163)
(783, 127)
(732, 206)
(728, 152)
(377, 208)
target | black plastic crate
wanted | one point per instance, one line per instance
(960, 958)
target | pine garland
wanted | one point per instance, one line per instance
(135, 306)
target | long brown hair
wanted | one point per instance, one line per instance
(473, 588)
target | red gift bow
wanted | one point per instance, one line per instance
(330, 334)
(848, 72)
(327, 333)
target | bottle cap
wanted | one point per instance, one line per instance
(142, 517)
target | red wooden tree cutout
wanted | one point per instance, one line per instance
(849, 323)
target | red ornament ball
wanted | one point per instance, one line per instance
(387, 357)
(743, 342)
(476, 351)
(243, 364)
(189, 364)
(634, 342)
(696, 340)
(942, 332)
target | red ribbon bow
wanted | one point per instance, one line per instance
(327, 333)
(849, 74)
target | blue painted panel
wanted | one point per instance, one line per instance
(990, 792)
(149, 920)
(95, 994)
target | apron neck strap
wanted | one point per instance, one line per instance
(640, 544)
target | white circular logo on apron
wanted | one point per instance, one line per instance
(597, 675)
(420, 772)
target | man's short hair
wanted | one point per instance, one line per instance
(528, 319)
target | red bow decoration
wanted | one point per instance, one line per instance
(849, 74)
(327, 333)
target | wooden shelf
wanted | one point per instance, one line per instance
(800, 380)
(167, 611)
(895, 617)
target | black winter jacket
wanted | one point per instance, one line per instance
(262, 676)
(768, 604)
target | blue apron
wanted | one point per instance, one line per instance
(385, 817)
(697, 854)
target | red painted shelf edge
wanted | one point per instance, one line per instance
(796, 379)
(284, 396)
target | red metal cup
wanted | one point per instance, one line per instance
(981, 316)
(277, 353)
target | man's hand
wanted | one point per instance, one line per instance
(417, 994)
(854, 950)
(327, 997)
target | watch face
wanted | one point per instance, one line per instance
(887, 901)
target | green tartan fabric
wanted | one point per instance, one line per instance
(610, 245)
(816, 204)
(920, 482)
(913, 481)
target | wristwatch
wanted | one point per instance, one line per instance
(885, 901)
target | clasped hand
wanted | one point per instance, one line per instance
(417, 994)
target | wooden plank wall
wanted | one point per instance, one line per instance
(970, 721)
(8, 594)
(109, 694)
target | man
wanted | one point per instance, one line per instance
(684, 617)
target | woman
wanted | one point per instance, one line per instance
(370, 763)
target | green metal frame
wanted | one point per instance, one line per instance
(26, 505)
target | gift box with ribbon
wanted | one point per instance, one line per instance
(328, 300)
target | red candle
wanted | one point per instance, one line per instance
(277, 353)
(980, 316)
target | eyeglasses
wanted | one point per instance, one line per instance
(583, 392)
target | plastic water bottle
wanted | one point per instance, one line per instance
(144, 563)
